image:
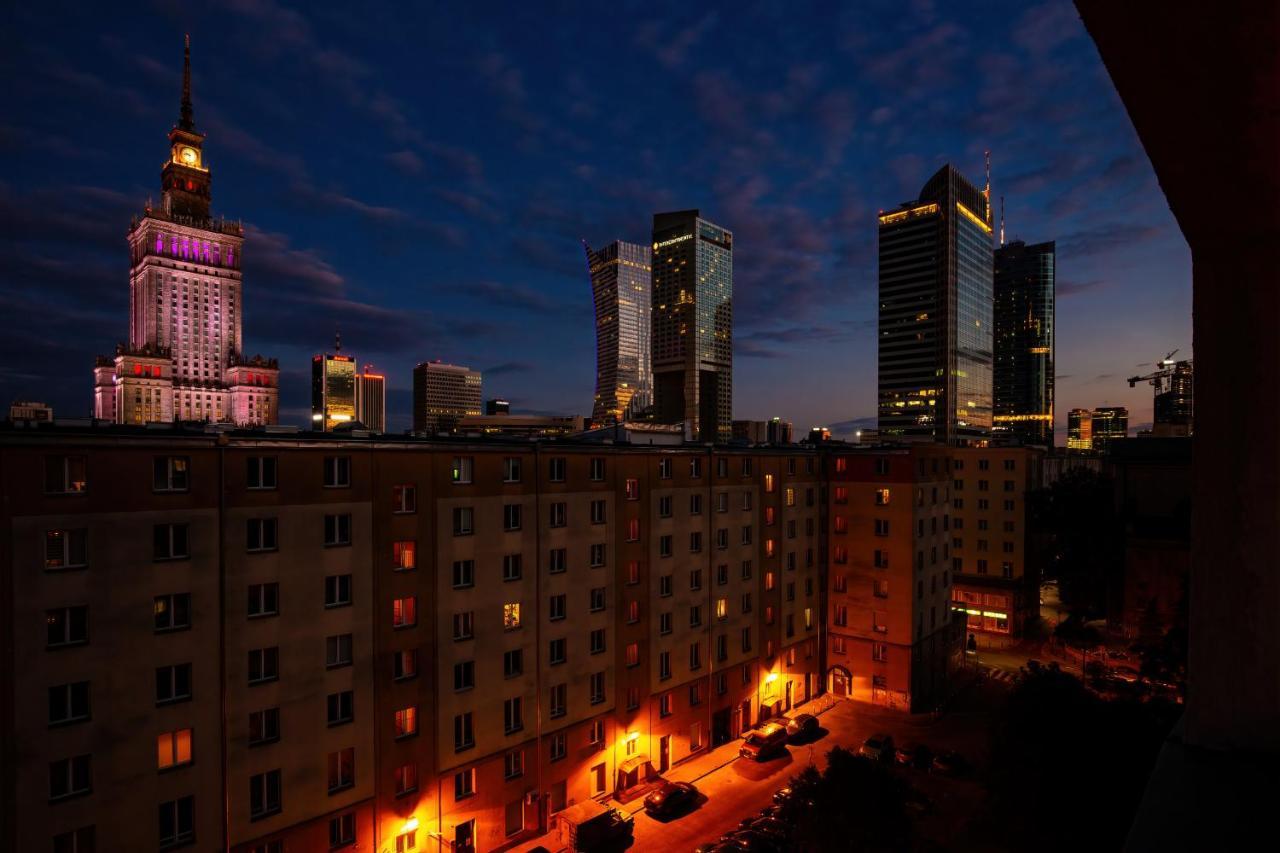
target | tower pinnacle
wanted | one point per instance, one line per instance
(185, 122)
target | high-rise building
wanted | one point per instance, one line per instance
(333, 389)
(1108, 422)
(693, 325)
(443, 394)
(371, 400)
(1079, 430)
(497, 407)
(1175, 402)
(1024, 343)
(621, 285)
(184, 359)
(935, 328)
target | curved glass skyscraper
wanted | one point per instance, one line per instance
(620, 283)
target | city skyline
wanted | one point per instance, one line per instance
(353, 254)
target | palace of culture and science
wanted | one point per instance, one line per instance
(184, 359)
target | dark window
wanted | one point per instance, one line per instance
(264, 794)
(177, 822)
(69, 703)
(173, 683)
(170, 542)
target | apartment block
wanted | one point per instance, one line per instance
(268, 641)
(996, 586)
(891, 636)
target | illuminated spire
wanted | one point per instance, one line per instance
(1001, 220)
(986, 191)
(186, 122)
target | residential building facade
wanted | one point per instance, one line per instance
(891, 638)
(995, 583)
(383, 641)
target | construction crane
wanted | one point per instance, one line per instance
(1157, 377)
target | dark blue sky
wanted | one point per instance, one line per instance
(422, 177)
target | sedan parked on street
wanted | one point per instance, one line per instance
(878, 747)
(801, 727)
(670, 798)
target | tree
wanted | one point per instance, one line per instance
(853, 804)
(1079, 539)
(1068, 769)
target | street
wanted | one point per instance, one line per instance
(733, 788)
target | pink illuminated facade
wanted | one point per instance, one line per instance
(185, 358)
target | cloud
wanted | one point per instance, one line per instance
(853, 425)
(1071, 287)
(670, 45)
(508, 367)
(1105, 239)
(406, 162)
(513, 296)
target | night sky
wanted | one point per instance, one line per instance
(421, 179)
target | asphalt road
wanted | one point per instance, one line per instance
(741, 788)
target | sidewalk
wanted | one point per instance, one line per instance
(693, 770)
(696, 768)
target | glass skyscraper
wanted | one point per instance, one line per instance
(935, 316)
(693, 325)
(621, 284)
(1023, 374)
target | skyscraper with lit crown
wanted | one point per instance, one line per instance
(184, 359)
(935, 324)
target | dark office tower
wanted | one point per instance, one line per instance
(1175, 402)
(1109, 423)
(935, 314)
(621, 286)
(693, 325)
(1023, 370)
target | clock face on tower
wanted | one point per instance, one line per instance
(188, 156)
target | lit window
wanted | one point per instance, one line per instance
(173, 749)
(511, 616)
(407, 721)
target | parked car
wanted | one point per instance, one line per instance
(914, 755)
(753, 842)
(878, 747)
(770, 826)
(670, 797)
(765, 742)
(802, 727)
(783, 796)
(950, 763)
